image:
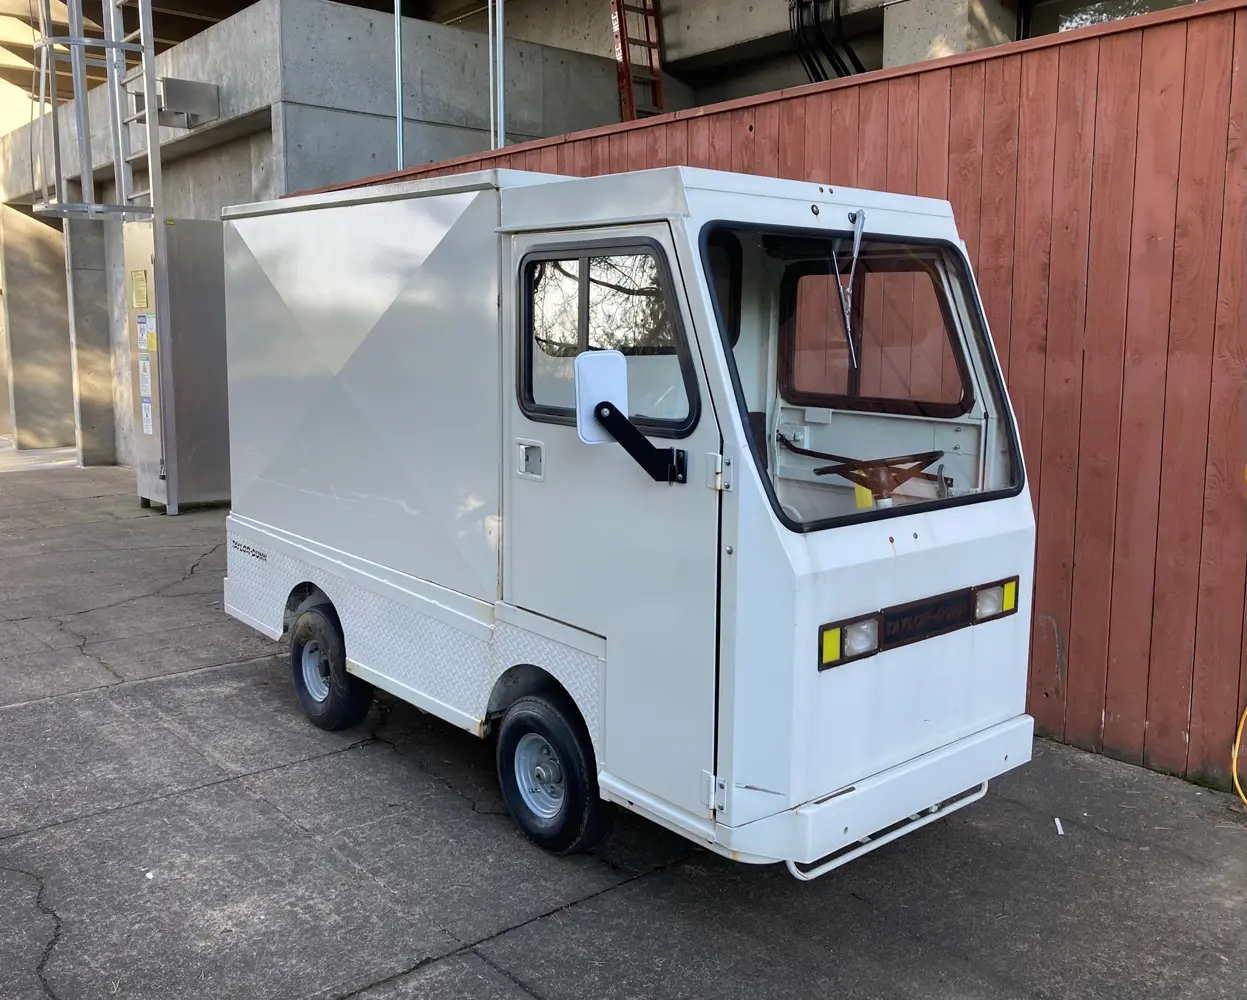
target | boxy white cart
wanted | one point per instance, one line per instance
(699, 492)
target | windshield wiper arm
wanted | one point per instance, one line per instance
(858, 219)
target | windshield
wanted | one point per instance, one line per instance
(866, 378)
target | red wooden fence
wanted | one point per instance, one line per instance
(1098, 178)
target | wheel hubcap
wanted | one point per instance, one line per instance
(539, 775)
(315, 664)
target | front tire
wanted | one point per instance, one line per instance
(548, 775)
(330, 697)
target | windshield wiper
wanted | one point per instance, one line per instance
(858, 219)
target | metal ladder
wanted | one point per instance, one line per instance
(127, 108)
(638, 57)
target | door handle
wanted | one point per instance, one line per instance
(530, 459)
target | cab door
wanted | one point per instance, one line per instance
(590, 539)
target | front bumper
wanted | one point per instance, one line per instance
(847, 823)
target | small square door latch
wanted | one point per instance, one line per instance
(531, 459)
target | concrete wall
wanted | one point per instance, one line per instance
(337, 92)
(692, 29)
(918, 30)
(36, 326)
(579, 25)
(307, 98)
(6, 421)
(89, 342)
(240, 54)
(764, 74)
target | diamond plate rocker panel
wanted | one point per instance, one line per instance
(393, 638)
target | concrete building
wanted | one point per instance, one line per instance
(307, 98)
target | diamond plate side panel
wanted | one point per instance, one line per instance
(397, 641)
(414, 649)
(581, 673)
(255, 586)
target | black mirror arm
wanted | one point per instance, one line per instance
(663, 465)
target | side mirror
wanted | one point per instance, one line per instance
(600, 376)
(602, 416)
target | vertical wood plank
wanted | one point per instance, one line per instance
(1242, 691)
(1215, 702)
(766, 139)
(581, 159)
(677, 143)
(934, 123)
(1161, 76)
(897, 329)
(617, 152)
(965, 177)
(792, 139)
(743, 140)
(721, 141)
(965, 152)
(872, 172)
(819, 131)
(929, 350)
(549, 156)
(638, 148)
(1188, 376)
(1078, 66)
(655, 146)
(1117, 114)
(699, 142)
(1028, 336)
(599, 155)
(1032, 251)
(566, 157)
(1002, 80)
(837, 154)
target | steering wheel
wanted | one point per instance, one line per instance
(883, 476)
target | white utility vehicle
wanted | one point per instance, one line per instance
(699, 491)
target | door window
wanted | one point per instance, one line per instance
(596, 299)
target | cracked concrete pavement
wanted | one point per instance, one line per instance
(171, 827)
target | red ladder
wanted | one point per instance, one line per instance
(638, 57)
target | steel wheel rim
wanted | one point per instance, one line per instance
(539, 776)
(315, 663)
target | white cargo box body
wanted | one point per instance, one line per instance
(404, 443)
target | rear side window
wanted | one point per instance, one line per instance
(604, 299)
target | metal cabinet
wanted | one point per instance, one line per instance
(177, 364)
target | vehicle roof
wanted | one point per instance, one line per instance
(533, 200)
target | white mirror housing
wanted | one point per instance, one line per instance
(601, 377)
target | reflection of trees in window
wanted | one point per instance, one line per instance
(627, 307)
(556, 306)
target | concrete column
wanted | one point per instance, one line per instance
(6, 422)
(36, 327)
(917, 30)
(90, 344)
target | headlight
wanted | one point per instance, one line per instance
(995, 600)
(848, 640)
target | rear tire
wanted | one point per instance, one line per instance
(548, 775)
(330, 697)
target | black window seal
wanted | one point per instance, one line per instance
(865, 404)
(546, 413)
(726, 240)
(991, 363)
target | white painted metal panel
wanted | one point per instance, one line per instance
(371, 409)
(790, 733)
(363, 361)
(596, 543)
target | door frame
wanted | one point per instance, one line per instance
(658, 238)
